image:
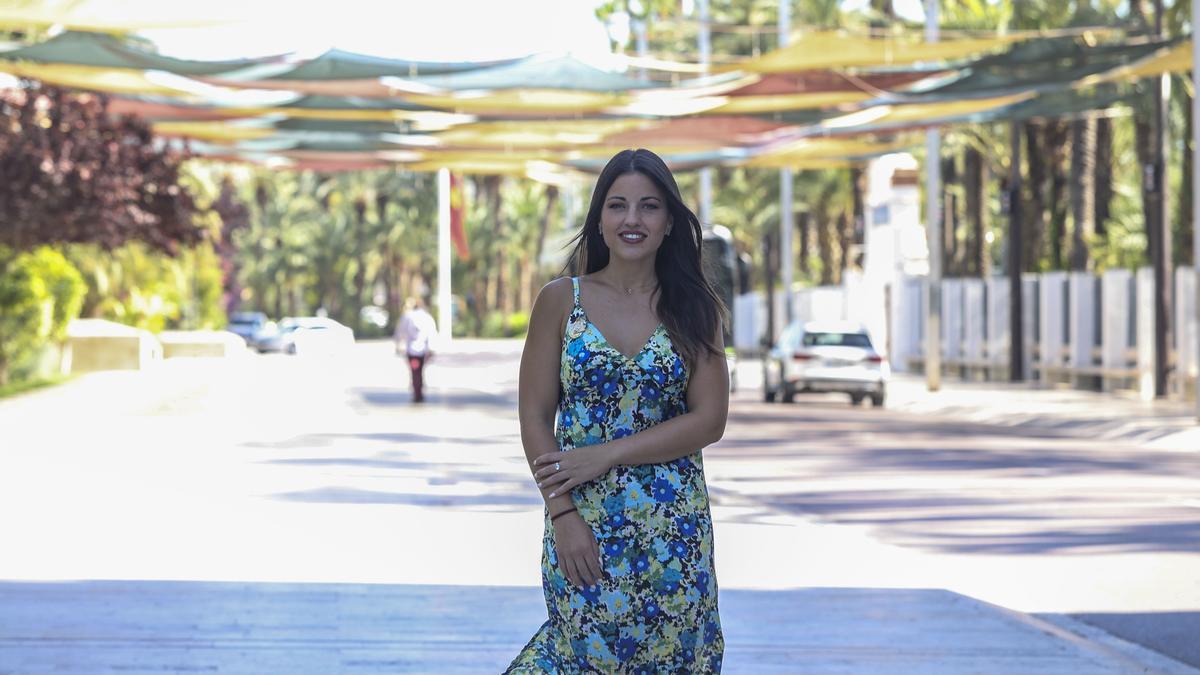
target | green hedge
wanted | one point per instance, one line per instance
(40, 292)
(497, 325)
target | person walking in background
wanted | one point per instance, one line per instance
(415, 332)
(613, 423)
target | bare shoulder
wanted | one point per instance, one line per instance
(557, 293)
(553, 305)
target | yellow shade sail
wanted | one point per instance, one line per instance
(90, 78)
(781, 102)
(213, 132)
(816, 152)
(833, 49)
(1177, 59)
(522, 101)
(538, 133)
(917, 113)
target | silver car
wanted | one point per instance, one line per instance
(825, 357)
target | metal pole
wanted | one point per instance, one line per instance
(443, 291)
(706, 172)
(933, 231)
(787, 217)
(1160, 234)
(1196, 192)
(1016, 303)
(639, 34)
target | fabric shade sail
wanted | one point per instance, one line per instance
(829, 99)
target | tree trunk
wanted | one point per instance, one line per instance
(1083, 190)
(1057, 135)
(1104, 175)
(534, 282)
(950, 257)
(1143, 127)
(1183, 205)
(857, 190)
(1035, 214)
(845, 243)
(824, 241)
(360, 271)
(805, 222)
(974, 178)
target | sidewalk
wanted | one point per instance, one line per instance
(157, 626)
(1114, 417)
(333, 533)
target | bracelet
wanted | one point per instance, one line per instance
(562, 513)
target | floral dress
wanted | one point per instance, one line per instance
(654, 609)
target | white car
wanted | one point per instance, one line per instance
(307, 335)
(825, 357)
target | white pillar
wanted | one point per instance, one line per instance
(933, 229)
(443, 282)
(1196, 184)
(786, 224)
(705, 48)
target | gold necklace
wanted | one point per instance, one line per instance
(629, 291)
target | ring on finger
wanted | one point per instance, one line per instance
(557, 466)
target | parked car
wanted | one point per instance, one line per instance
(248, 325)
(308, 335)
(825, 357)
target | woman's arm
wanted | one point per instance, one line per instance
(537, 403)
(702, 425)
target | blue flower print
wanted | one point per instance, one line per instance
(669, 583)
(616, 601)
(663, 491)
(687, 526)
(636, 496)
(591, 593)
(626, 648)
(609, 386)
(615, 547)
(651, 521)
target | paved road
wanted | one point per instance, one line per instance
(278, 469)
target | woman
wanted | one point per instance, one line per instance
(627, 556)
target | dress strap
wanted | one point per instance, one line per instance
(575, 288)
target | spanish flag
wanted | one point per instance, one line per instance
(458, 203)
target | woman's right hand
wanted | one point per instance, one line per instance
(578, 552)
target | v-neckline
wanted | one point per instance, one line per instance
(645, 345)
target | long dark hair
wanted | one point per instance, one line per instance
(688, 306)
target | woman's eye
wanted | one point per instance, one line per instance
(616, 205)
(651, 206)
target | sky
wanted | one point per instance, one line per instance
(433, 30)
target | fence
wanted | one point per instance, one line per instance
(1086, 330)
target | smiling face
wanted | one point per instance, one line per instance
(635, 217)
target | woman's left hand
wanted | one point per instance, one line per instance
(563, 471)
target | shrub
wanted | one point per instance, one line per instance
(40, 292)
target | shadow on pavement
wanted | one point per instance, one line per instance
(999, 490)
(184, 626)
(445, 398)
(1176, 634)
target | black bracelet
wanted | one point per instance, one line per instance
(562, 513)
